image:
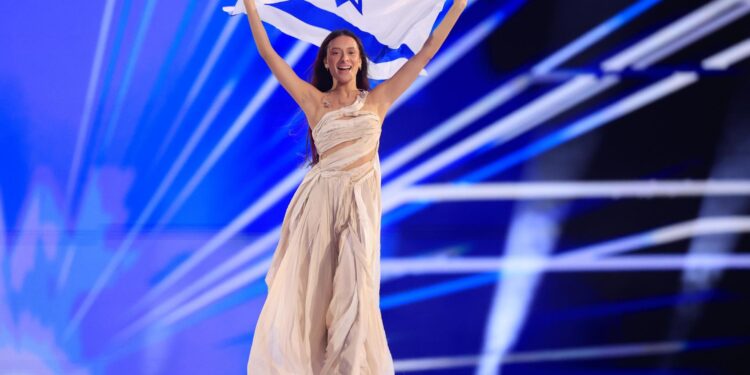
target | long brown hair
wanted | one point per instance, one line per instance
(321, 78)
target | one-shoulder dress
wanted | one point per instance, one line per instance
(322, 315)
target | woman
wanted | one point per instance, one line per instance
(322, 313)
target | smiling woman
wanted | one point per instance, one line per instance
(322, 312)
(341, 58)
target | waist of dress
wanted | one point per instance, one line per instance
(354, 174)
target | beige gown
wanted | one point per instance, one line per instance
(322, 312)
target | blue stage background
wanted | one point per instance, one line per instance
(566, 192)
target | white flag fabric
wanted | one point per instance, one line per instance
(392, 31)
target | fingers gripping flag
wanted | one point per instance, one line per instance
(392, 31)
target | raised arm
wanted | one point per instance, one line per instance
(387, 92)
(301, 91)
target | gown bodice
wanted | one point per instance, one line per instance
(350, 125)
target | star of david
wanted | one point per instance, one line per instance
(357, 4)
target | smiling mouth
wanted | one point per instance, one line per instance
(346, 68)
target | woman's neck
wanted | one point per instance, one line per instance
(346, 89)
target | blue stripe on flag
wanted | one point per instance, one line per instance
(314, 16)
(357, 4)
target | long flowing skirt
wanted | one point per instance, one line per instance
(322, 312)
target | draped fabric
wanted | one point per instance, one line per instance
(322, 312)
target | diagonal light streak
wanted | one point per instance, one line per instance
(254, 272)
(622, 107)
(485, 269)
(666, 35)
(505, 92)
(671, 233)
(119, 254)
(477, 280)
(729, 161)
(88, 108)
(512, 297)
(187, 150)
(728, 57)
(157, 97)
(457, 122)
(694, 34)
(143, 26)
(527, 118)
(65, 267)
(533, 231)
(202, 24)
(510, 265)
(246, 217)
(3, 231)
(142, 218)
(593, 36)
(580, 259)
(506, 128)
(220, 46)
(532, 235)
(4, 246)
(434, 290)
(244, 119)
(245, 255)
(460, 48)
(570, 190)
(249, 214)
(190, 146)
(625, 58)
(224, 35)
(579, 353)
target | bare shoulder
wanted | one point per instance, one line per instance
(314, 109)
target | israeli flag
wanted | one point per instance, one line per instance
(392, 31)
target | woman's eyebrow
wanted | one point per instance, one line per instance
(347, 48)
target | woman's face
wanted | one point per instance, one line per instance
(342, 59)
